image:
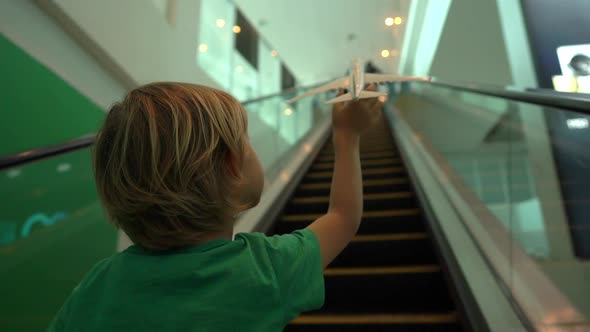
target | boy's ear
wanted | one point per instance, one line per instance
(233, 164)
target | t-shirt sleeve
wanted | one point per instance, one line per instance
(297, 261)
(58, 324)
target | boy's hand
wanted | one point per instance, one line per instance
(354, 117)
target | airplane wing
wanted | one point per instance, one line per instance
(383, 78)
(341, 98)
(336, 84)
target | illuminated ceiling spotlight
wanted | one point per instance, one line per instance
(397, 21)
(203, 48)
(288, 112)
(385, 53)
(64, 167)
(285, 176)
(389, 21)
(220, 23)
(274, 53)
(577, 123)
(13, 173)
(239, 69)
(236, 29)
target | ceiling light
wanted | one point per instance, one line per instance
(13, 173)
(274, 53)
(385, 53)
(389, 21)
(220, 23)
(239, 69)
(398, 20)
(285, 176)
(236, 29)
(288, 111)
(64, 167)
(203, 48)
(577, 123)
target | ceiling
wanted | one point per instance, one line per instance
(317, 39)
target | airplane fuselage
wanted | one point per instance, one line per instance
(356, 79)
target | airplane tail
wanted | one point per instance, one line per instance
(371, 94)
(364, 95)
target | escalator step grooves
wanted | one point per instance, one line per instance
(389, 277)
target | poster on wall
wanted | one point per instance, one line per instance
(574, 61)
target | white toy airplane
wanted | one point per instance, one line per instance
(355, 83)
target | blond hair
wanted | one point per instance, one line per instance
(160, 163)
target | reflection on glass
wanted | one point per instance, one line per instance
(52, 231)
(216, 40)
(52, 225)
(275, 129)
(528, 167)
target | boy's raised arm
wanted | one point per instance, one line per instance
(337, 227)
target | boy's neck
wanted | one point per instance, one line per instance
(225, 234)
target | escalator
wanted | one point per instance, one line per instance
(391, 277)
(388, 278)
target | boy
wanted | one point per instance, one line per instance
(173, 167)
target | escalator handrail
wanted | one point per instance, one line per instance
(283, 92)
(88, 140)
(562, 101)
(549, 99)
(46, 152)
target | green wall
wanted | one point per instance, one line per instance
(37, 107)
(52, 227)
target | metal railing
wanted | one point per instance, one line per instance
(541, 97)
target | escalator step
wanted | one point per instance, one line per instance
(405, 248)
(370, 163)
(364, 155)
(325, 199)
(366, 215)
(446, 322)
(374, 201)
(368, 174)
(389, 277)
(372, 171)
(403, 221)
(369, 186)
(399, 289)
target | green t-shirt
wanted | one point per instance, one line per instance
(253, 283)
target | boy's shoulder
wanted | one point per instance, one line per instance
(97, 271)
(279, 243)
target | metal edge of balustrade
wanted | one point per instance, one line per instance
(262, 217)
(29, 156)
(530, 314)
(464, 298)
(44, 152)
(579, 104)
(471, 313)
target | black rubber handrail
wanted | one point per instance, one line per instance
(87, 140)
(45, 152)
(548, 99)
